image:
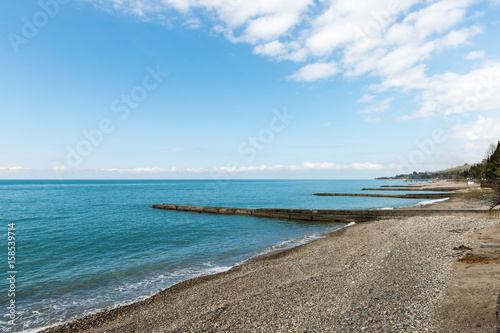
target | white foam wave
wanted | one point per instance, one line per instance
(291, 243)
(132, 291)
(72, 309)
(288, 244)
(431, 202)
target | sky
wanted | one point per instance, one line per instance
(240, 89)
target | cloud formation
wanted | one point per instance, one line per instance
(306, 166)
(479, 134)
(15, 168)
(475, 55)
(313, 72)
(142, 170)
(378, 107)
(394, 41)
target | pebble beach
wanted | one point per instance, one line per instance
(380, 276)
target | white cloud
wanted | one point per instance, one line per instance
(451, 93)
(475, 55)
(332, 166)
(258, 19)
(317, 166)
(456, 38)
(435, 18)
(368, 166)
(271, 49)
(414, 78)
(367, 98)
(237, 13)
(192, 23)
(258, 168)
(390, 40)
(141, 170)
(195, 170)
(346, 22)
(480, 134)
(403, 58)
(15, 168)
(270, 26)
(313, 72)
(378, 107)
(306, 166)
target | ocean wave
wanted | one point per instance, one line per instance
(431, 202)
(71, 308)
(291, 243)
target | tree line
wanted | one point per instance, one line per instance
(488, 169)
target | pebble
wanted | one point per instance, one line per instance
(383, 276)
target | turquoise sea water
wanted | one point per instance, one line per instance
(86, 245)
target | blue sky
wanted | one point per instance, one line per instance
(246, 89)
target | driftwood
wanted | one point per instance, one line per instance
(494, 205)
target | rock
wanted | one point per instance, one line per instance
(462, 248)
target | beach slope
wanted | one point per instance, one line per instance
(382, 276)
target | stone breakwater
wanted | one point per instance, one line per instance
(331, 215)
(401, 196)
(431, 189)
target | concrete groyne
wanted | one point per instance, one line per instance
(405, 186)
(401, 196)
(331, 215)
(432, 189)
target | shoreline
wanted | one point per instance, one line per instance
(95, 322)
(182, 285)
(117, 310)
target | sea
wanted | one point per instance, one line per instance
(78, 247)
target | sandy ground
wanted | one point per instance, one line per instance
(469, 305)
(382, 276)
